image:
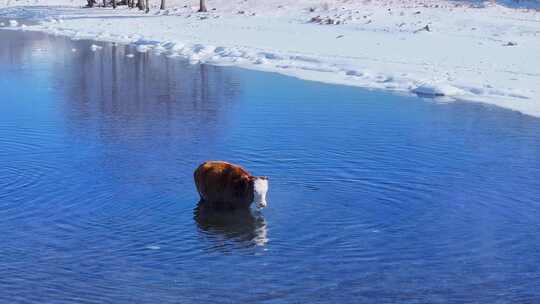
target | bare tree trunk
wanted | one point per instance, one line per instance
(162, 7)
(202, 6)
(104, 3)
(147, 7)
(114, 3)
(140, 4)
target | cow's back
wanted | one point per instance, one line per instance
(224, 184)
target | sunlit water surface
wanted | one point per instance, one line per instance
(374, 198)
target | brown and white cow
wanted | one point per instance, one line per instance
(230, 186)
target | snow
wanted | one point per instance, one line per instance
(474, 51)
(437, 90)
(95, 48)
(143, 48)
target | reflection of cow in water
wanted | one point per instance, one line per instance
(224, 185)
(242, 227)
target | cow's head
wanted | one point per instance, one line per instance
(260, 188)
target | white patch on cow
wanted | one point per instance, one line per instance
(260, 188)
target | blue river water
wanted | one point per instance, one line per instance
(374, 198)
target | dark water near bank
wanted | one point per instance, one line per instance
(374, 198)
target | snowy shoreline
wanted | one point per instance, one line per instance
(489, 54)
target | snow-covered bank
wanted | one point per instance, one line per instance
(488, 54)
